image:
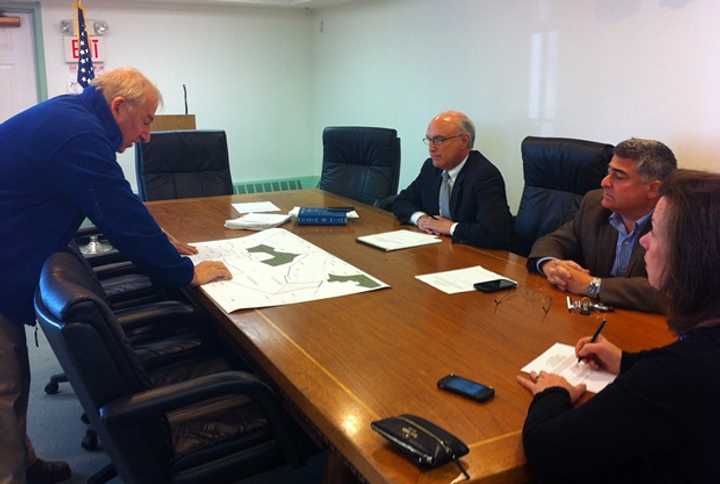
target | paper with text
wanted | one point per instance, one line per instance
(399, 239)
(560, 358)
(248, 207)
(459, 280)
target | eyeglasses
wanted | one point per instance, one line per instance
(438, 140)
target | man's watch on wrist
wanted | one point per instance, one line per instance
(593, 289)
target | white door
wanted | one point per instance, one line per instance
(18, 84)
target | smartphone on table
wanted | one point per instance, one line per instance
(465, 387)
(495, 285)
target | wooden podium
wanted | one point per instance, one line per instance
(167, 122)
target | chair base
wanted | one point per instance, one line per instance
(103, 475)
(53, 386)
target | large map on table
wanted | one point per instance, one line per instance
(276, 267)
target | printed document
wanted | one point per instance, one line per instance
(399, 239)
(459, 280)
(248, 207)
(560, 358)
(276, 267)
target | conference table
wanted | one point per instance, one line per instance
(345, 362)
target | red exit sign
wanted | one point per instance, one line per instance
(72, 49)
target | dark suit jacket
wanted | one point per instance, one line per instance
(590, 240)
(478, 202)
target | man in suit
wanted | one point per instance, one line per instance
(597, 254)
(58, 166)
(459, 192)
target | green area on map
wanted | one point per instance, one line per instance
(360, 279)
(278, 258)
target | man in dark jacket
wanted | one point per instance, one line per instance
(597, 254)
(459, 192)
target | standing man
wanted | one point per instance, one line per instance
(58, 166)
(459, 192)
(597, 254)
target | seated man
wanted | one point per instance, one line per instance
(597, 254)
(459, 192)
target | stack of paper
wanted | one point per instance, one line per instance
(257, 221)
(399, 239)
(252, 207)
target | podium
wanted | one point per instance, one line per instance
(168, 122)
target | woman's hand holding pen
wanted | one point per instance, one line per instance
(600, 354)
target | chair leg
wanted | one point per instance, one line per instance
(90, 441)
(103, 475)
(53, 385)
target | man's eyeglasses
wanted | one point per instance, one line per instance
(438, 140)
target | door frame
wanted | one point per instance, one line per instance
(39, 48)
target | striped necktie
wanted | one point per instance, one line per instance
(444, 199)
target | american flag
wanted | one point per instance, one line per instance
(85, 72)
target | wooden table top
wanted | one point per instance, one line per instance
(350, 360)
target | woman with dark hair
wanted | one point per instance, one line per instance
(659, 421)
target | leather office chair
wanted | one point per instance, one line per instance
(558, 173)
(361, 163)
(183, 164)
(214, 428)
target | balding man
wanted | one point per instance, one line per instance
(58, 166)
(459, 192)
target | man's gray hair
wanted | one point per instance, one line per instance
(126, 82)
(655, 161)
(462, 121)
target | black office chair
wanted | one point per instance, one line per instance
(361, 163)
(558, 173)
(183, 164)
(215, 428)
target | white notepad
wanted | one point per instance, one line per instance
(399, 239)
(560, 358)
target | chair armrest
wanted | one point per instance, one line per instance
(114, 269)
(163, 312)
(161, 400)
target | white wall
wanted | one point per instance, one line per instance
(248, 71)
(602, 70)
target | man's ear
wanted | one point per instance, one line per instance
(654, 190)
(116, 103)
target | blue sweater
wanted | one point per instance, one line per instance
(57, 166)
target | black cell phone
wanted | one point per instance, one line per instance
(495, 285)
(467, 388)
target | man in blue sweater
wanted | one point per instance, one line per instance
(58, 166)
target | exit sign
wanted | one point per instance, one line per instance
(72, 49)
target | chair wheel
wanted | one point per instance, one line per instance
(90, 441)
(52, 388)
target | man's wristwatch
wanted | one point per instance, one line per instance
(593, 289)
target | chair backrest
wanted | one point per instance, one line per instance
(98, 361)
(360, 163)
(558, 172)
(183, 164)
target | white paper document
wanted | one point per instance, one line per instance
(276, 267)
(560, 358)
(350, 214)
(257, 221)
(399, 239)
(248, 207)
(459, 280)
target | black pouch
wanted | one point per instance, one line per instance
(426, 444)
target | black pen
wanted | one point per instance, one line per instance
(434, 217)
(340, 209)
(596, 333)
